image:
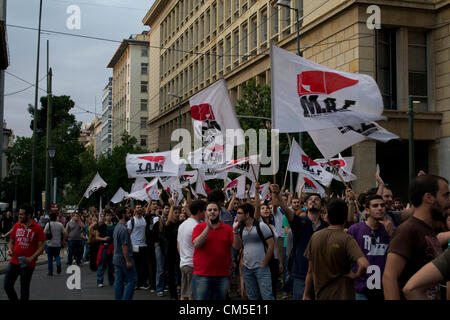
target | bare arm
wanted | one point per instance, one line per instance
(188, 201)
(363, 264)
(428, 276)
(237, 242)
(394, 268)
(201, 239)
(257, 214)
(230, 205)
(300, 191)
(170, 217)
(278, 200)
(380, 184)
(443, 238)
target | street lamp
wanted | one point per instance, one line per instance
(16, 171)
(286, 4)
(51, 153)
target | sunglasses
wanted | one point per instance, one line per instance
(373, 238)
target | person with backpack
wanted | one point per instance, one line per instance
(257, 241)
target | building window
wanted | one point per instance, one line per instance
(144, 141)
(274, 20)
(220, 56)
(417, 70)
(386, 67)
(228, 51)
(144, 69)
(263, 32)
(144, 122)
(144, 103)
(144, 52)
(236, 45)
(253, 33)
(144, 86)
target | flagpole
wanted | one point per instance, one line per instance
(80, 202)
(338, 174)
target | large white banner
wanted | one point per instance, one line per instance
(212, 173)
(96, 184)
(343, 166)
(212, 115)
(206, 158)
(153, 164)
(311, 185)
(308, 96)
(119, 196)
(301, 163)
(334, 140)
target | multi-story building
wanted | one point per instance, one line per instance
(130, 84)
(97, 138)
(87, 136)
(409, 55)
(106, 141)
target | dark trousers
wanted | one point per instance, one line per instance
(152, 265)
(75, 251)
(173, 270)
(12, 273)
(142, 261)
(93, 251)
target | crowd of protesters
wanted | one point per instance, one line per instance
(288, 246)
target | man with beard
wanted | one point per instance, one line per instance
(212, 241)
(373, 237)
(302, 228)
(126, 276)
(414, 243)
(25, 246)
(217, 196)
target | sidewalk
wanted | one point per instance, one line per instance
(42, 259)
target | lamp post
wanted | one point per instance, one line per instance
(286, 4)
(16, 172)
(51, 153)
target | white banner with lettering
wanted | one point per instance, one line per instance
(153, 164)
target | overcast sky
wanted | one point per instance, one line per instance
(79, 65)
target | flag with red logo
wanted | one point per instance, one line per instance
(153, 164)
(238, 186)
(264, 190)
(300, 162)
(212, 173)
(201, 187)
(243, 166)
(96, 184)
(311, 185)
(213, 119)
(334, 140)
(343, 165)
(148, 192)
(308, 96)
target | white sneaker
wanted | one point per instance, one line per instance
(160, 294)
(100, 285)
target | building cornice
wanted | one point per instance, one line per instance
(123, 46)
(154, 11)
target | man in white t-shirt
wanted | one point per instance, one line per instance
(137, 226)
(186, 247)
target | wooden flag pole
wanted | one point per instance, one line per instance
(80, 202)
(342, 179)
(285, 178)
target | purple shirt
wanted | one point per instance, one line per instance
(375, 254)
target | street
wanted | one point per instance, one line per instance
(44, 287)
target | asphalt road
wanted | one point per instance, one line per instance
(45, 287)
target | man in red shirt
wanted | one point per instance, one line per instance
(212, 241)
(26, 244)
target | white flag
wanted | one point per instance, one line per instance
(301, 163)
(119, 196)
(96, 184)
(200, 186)
(264, 190)
(311, 186)
(206, 158)
(212, 173)
(342, 165)
(153, 164)
(138, 184)
(188, 177)
(308, 96)
(332, 141)
(238, 186)
(212, 114)
(149, 192)
(243, 166)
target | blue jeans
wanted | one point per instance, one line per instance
(287, 278)
(258, 282)
(159, 254)
(126, 280)
(12, 273)
(299, 288)
(106, 263)
(75, 251)
(52, 252)
(210, 288)
(86, 251)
